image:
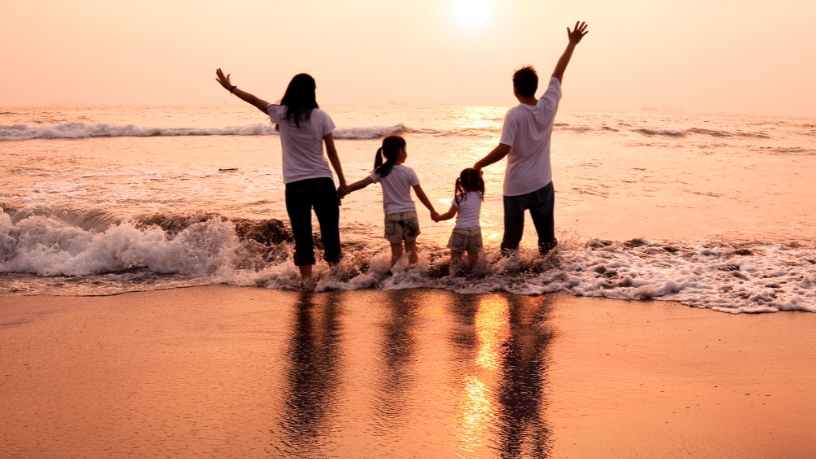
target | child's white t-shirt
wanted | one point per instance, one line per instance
(470, 207)
(396, 188)
(302, 146)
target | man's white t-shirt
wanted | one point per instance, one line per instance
(528, 130)
(302, 146)
(396, 187)
(470, 207)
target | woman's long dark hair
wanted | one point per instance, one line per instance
(390, 149)
(300, 99)
(469, 180)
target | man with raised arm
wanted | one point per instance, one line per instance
(525, 141)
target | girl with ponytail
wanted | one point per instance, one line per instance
(466, 206)
(397, 180)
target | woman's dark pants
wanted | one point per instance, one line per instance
(321, 195)
(541, 204)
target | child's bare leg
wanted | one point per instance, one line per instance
(411, 248)
(473, 258)
(454, 257)
(305, 271)
(396, 253)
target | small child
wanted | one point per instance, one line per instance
(401, 223)
(467, 203)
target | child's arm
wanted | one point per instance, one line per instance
(359, 185)
(424, 199)
(448, 215)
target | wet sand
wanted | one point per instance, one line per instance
(238, 372)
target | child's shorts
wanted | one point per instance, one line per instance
(466, 240)
(401, 226)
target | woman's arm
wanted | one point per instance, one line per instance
(331, 151)
(425, 201)
(260, 104)
(448, 215)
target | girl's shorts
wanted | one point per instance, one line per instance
(466, 240)
(401, 226)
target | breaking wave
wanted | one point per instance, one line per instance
(700, 131)
(82, 130)
(44, 254)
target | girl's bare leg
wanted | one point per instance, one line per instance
(473, 258)
(411, 248)
(305, 271)
(454, 257)
(396, 253)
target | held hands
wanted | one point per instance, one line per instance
(223, 80)
(342, 191)
(576, 35)
(435, 216)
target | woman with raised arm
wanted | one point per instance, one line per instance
(304, 128)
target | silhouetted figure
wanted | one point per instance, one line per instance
(304, 128)
(525, 141)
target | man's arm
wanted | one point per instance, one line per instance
(494, 156)
(575, 37)
(260, 104)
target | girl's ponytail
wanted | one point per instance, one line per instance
(469, 180)
(378, 158)
(387, 155)
(458, 191)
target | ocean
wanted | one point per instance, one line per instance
(712, 211)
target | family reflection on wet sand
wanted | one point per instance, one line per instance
(435, 375)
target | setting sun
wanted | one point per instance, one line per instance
(472, 13)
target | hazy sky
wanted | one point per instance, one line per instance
(746, 56)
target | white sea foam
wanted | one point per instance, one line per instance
(720, 276)
(82, 130)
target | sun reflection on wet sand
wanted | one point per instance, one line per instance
(478, 405)
(492, 331)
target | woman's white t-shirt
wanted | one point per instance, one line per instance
(470, 207)
(302, 146)
(396, 188)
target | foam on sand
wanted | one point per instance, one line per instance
(727, 277)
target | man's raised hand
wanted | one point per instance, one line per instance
(223, 80)
(576, 35)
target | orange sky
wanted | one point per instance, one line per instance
(749, 56)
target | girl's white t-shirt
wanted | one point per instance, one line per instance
(396, 187)
(470, 207)
(302, 146)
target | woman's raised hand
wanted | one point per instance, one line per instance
(223, 80)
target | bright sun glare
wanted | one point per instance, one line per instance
(472, 13)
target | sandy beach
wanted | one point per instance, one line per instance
(242, 372)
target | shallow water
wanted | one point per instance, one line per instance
(714, 211)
